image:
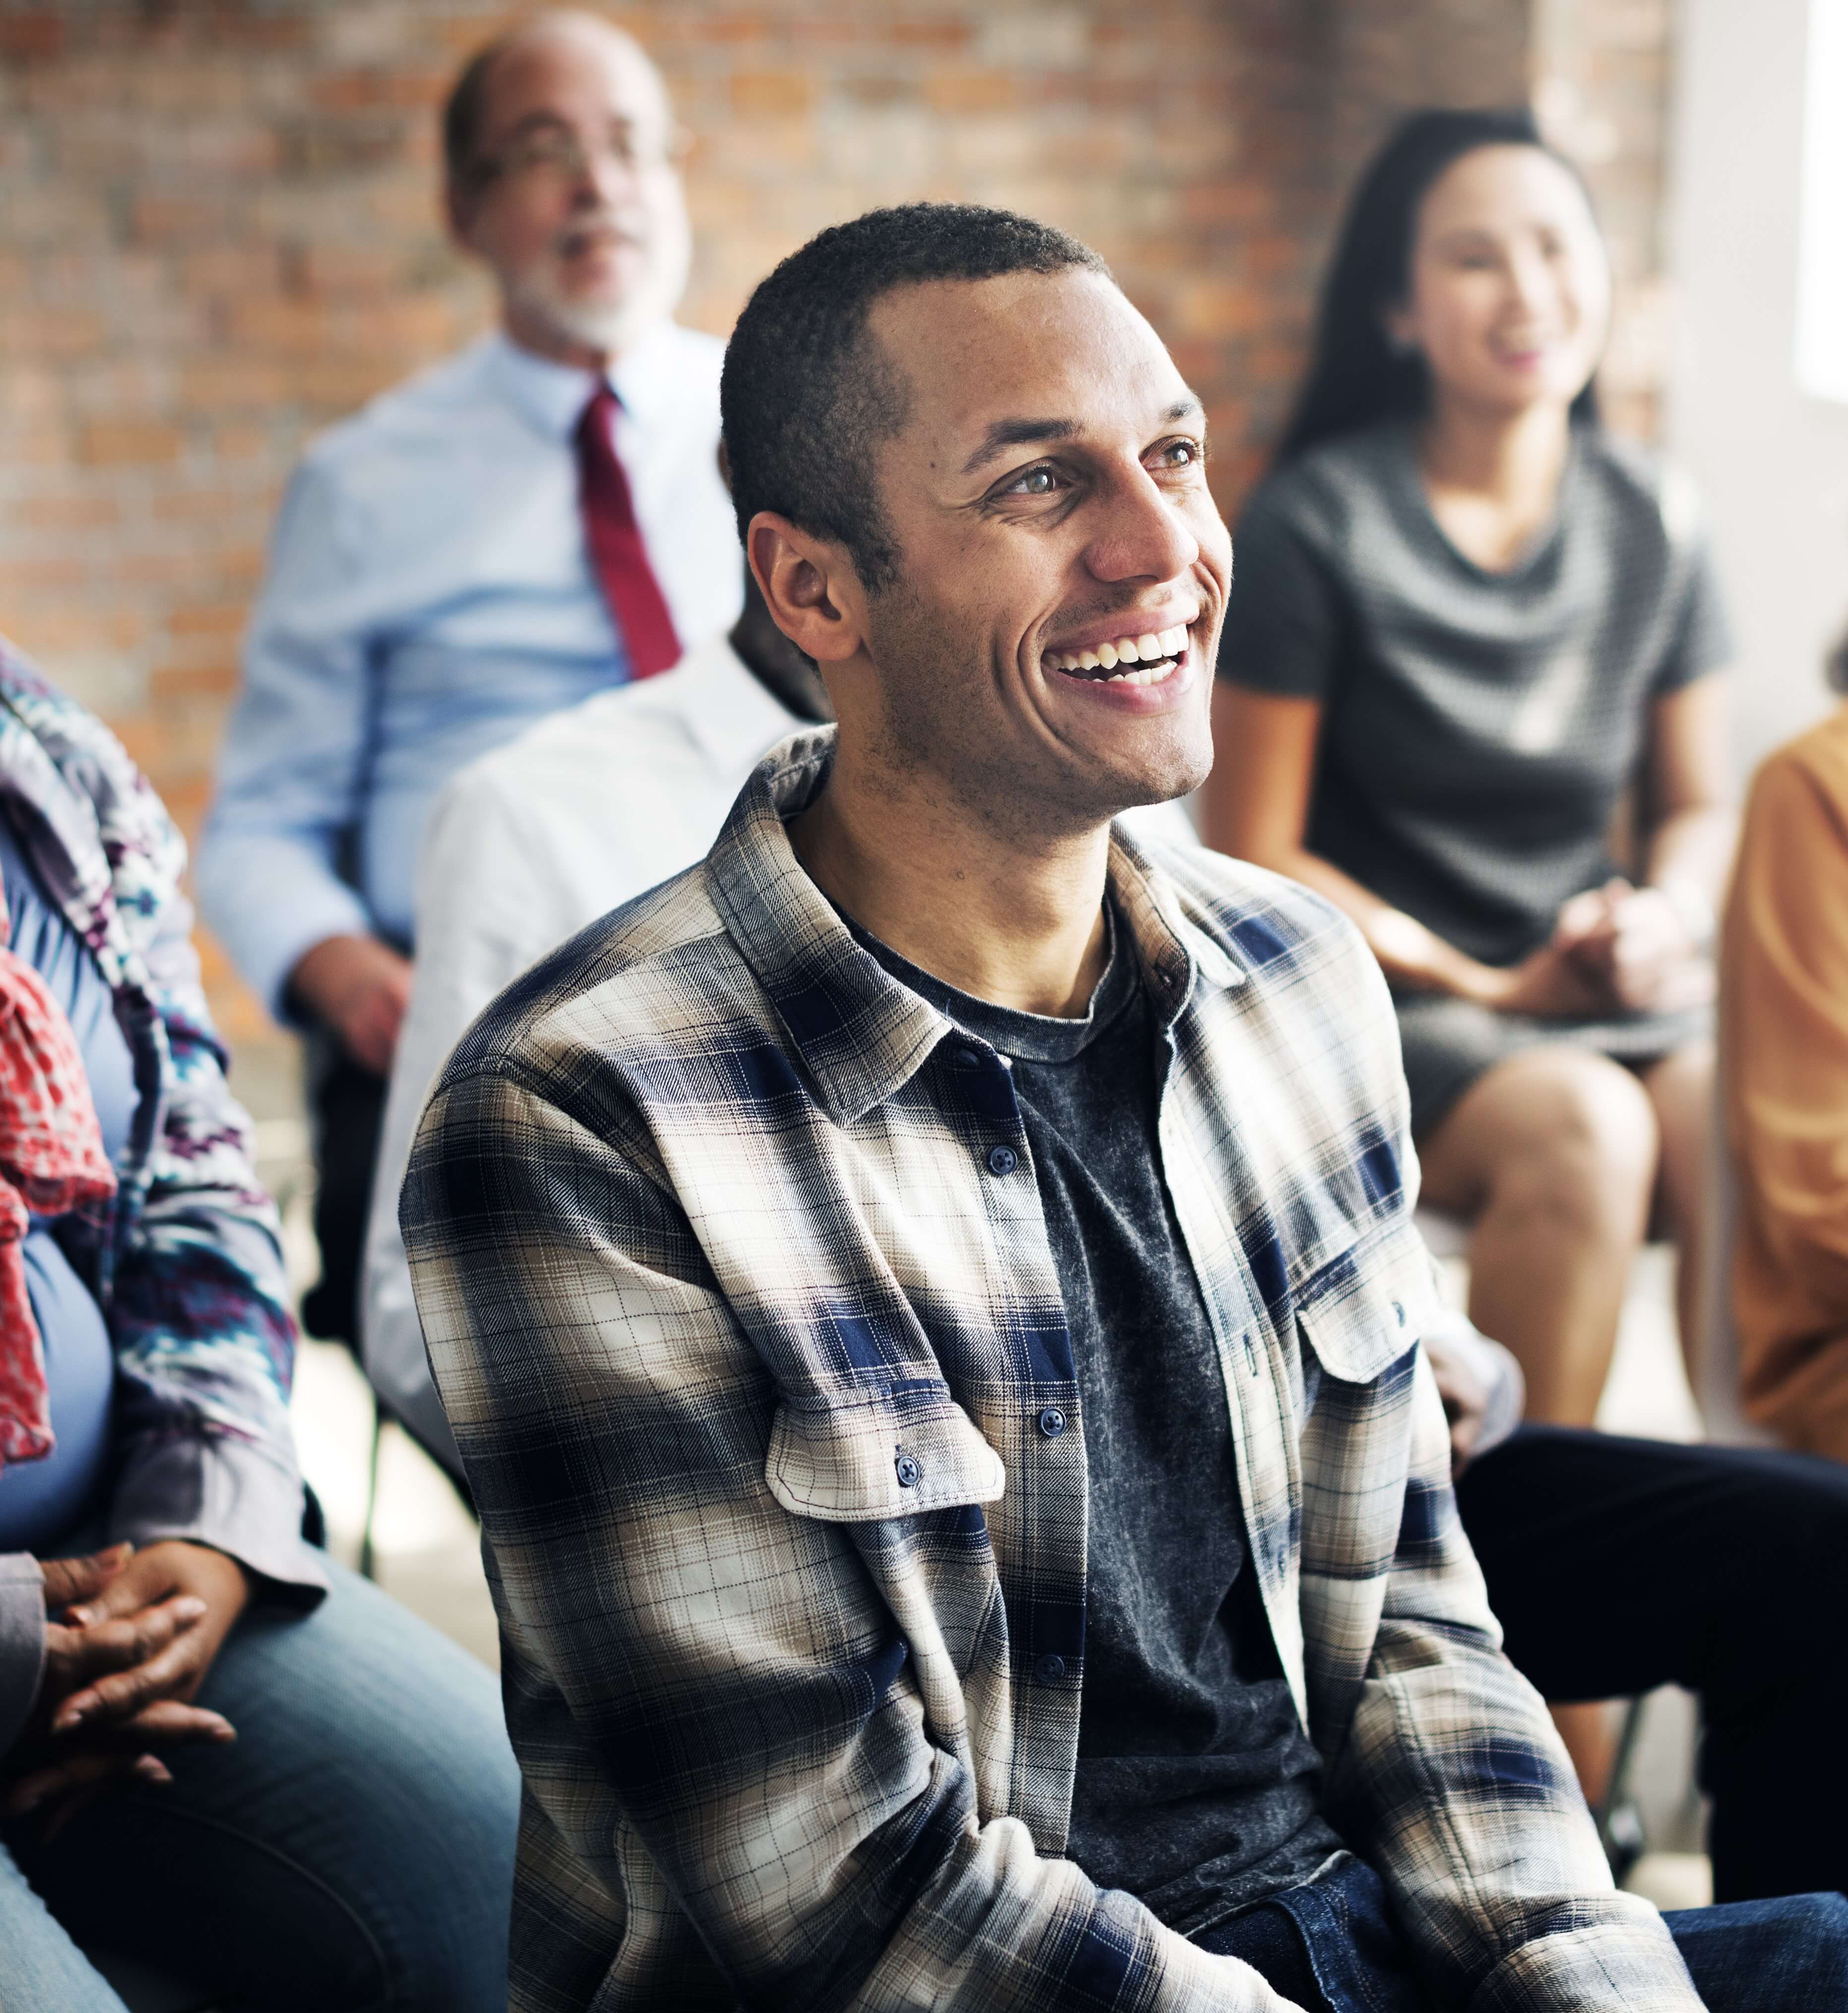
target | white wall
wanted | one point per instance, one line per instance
(1771, 462)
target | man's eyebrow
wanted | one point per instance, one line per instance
(1005, 433)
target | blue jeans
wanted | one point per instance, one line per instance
(354, 1850)
(1332, 1947)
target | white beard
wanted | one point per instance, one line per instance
(611, 325)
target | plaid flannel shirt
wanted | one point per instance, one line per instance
(745, 1329)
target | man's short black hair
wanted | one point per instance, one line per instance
(807, 394)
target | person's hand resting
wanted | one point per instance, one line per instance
(1549, 983)
(1633, 944)
(1465, 1390)
(138, 1633)
(362, 989)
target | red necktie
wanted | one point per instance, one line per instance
(616, 553)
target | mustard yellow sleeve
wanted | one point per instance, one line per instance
(1784, 980)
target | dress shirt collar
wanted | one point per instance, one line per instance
(861, 1034)
(551, 396)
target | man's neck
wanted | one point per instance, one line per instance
(776, 664)
(539, 338)
(1020, 925)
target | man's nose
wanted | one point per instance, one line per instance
(1141, 535)
(606, 178)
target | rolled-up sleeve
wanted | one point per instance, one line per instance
(1451, 1782)
(294, 751)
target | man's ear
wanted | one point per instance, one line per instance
(810, 587)
(458, 214)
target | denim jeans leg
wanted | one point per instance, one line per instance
(41, 1970)
(1786, 1956)
(1331, 1946)
(351, 1852)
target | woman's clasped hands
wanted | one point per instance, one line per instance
(130, 1636)
(1617, 949)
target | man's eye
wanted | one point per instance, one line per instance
(1181, 454)
(1034, 482)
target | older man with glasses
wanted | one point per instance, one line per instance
(538, 519)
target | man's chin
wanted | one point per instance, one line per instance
(604, 322)
(1177, 774)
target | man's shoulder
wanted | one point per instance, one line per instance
(657, 984)
(417, 412)
(581, 741)
(693, 349)
(594, 746)
(1268, 923)
(1306, 985)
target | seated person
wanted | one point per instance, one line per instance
(1614, 1565)
(1466, 620)
(582, 812)
(535, 520)
(928, 1305)
(1784, 1025)
(224, 1754)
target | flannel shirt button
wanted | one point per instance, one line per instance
(1003, 1159)
(1050, 1667)
(967, 1059)
(1399, 1312)
(908, 1471)
(1052, 1422)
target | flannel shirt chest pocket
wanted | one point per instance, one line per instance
(1362, 1312)
(903, 1451)
(902, 1473)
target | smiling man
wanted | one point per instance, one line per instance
(536, 521)
(927, 1301)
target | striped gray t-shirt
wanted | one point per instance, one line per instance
(1479, 728)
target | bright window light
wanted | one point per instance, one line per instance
(1822, 247)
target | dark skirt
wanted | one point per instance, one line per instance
(1449, 1043)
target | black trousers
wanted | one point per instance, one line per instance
(346, 1107)
(1619, 1564)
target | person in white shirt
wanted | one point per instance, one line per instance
(583, 812)
(538, 519)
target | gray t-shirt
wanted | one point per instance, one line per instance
(1479, 728)
(1196, 1787)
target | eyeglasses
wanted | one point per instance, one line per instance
(554, 155)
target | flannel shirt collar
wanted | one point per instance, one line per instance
(861, 1035)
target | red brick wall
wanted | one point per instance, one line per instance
(219, 233)
(1602, 72)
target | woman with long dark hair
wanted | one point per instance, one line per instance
(1468, 629)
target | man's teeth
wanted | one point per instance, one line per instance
(1119, 659)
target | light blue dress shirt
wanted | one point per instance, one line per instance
(429, 595)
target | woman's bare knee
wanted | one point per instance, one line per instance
(1560, 1130)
